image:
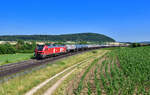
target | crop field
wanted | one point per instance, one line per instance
(123, 71)
(12, 58)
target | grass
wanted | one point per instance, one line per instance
(61, 90)
(12, 58)
(97, 84)
(43, 89)
(80, 86)
(48, 85)
(89, 88)
(64, 85)
(22, 84)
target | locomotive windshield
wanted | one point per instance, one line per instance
(40, 47)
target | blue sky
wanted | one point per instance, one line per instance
(123, 20)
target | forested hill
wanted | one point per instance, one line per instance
(92, 37)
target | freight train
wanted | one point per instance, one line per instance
(43, 51)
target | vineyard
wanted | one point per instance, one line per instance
(123, 71)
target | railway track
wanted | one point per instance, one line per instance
(12, 68)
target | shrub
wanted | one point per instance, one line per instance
(20, 47)
(135, 45)
(2, 49)
(7, 49)
(94, 51)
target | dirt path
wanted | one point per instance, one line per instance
(51, 90)
(70, 88)
(32, 91)
(54, 87)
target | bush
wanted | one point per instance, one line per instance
(10, 49)
(25, 47)
(20, 47)
(135, 45)
(94, 51)
(7, 49)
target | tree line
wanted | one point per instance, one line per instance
(91, 37)
(20, 47)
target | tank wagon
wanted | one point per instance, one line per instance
(71, 48)
(43, 51)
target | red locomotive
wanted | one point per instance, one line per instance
(43, 51)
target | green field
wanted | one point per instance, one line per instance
(12, 58)
(123, 71)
